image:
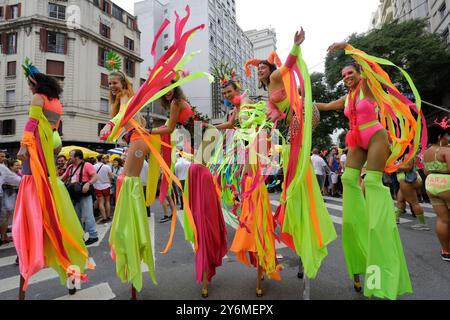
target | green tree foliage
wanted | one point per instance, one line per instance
(423, 55)
(329, 121)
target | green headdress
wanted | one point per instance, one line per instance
(113, 61)
(30, 70)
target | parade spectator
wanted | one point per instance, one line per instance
(117, 168)
(320, 167)
(7, 177)
(61, 165)
(143, 175)
(102, 187)
(80, 177)
(3, 156)
(181, 168)
(333, 164)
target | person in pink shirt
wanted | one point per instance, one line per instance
(80, 177)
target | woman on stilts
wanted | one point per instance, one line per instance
(46, 229)
(370, 237)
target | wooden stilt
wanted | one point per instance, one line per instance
(205, 286)
(21, 292)
(357, 283)
(133, 293)
(259, 291)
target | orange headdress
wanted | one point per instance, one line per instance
(273, 59)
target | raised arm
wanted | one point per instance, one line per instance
(30, 127)
(229, 124)
(175, 109)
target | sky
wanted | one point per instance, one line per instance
(324, 22)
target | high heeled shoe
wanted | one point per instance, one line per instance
(205, 293)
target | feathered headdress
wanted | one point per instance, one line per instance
(30, 70)
(272, 59)
(226, 74)
(113, 61)
(444, 124)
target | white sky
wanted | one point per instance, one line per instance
(324, 21)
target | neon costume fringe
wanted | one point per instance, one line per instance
(158, 83)
(209, 220)
(46, 229)
(130, 236)
(371, 240)
(306, 226)
(395, 110)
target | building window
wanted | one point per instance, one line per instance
(102, 56)
(129, 43)
(57, 11)
(129, 23)
(106, 7)
(442, 10)
(129, 67)
(165, 11)
(56, 42)
(9, 127)
(97, 3)
(12, 43)
(11, 68)
(55, 68)
(14, 12)
(104, 105)
(166, 36)
(105, 30)
(10, 98)
(117, 13)
(166, 48)
(104, 81)
(1, 13)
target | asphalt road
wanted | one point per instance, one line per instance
(175, 271)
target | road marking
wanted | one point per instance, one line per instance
(7, 246)
(424, 205)
(102, 230)
(101, 291)
(7, 261)
(13, 282)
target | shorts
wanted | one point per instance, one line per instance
(334, 178)
(103, 193)
(438, 189)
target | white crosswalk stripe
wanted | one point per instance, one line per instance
(7, 261)
(424, 205)
(337, 219)
(101, 291)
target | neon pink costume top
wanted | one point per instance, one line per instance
(185, 114)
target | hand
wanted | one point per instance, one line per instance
(86, 187)
(299, 37)
(105, 131)
(337, 46)
(23, 154)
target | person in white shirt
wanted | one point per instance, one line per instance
(143, 176)
(320, 167)
(343, 160)
(10, 178)
(181, 169)
(102, 187)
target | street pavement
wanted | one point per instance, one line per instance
(175, 271)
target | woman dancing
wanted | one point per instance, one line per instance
(130, 239)
(437, 167)
(370, 237)
(306, 226)
(46, 230)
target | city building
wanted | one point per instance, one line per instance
(67, 39)
(439, 13)
(385, 13)
(264, 42)
(221, 40)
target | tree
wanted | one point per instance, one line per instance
(329, 121)
(408, 45)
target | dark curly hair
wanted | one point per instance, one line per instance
(272, 68)
(47, 86)
(178, 96)
(436, 132)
